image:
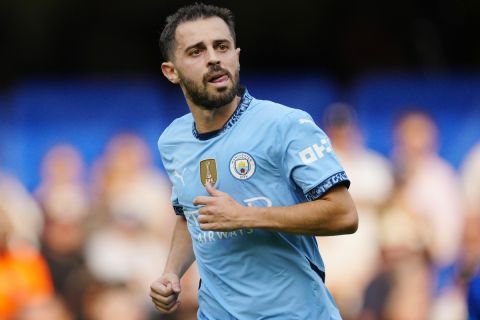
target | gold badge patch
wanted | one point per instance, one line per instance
(208, 171)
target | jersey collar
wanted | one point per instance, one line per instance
(241, 108)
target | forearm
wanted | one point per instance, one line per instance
(181, 254)
(333, 214)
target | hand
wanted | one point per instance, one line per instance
(164, 293)
(220, 212)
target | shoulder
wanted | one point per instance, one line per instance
(284, 122)
(278, 113)
(180, 127)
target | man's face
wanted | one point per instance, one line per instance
(206, 62)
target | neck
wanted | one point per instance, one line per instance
(211, 120)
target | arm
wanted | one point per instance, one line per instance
(332, 214)
(164, 291)
(181, 256)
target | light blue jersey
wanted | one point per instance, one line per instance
(265, 155)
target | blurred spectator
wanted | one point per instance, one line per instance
(431, 185)
(431, 195)
(114, 302)
(45, 309)
(372, 182)
(23, 211)
(451, 300)
(62, 192)
(403, 285)
(127, 183)
(130, 245)
(470, 174)
(66, 206)
(24, 275)
(125, 252)
(459, 291)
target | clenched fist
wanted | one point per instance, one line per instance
(164, 293)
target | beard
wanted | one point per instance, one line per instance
(200, 95)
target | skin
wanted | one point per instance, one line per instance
(199, 45)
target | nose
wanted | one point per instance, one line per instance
(212, 57)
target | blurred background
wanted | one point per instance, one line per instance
(85, 215)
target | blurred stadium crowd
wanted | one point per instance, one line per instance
(78, 250)
(88, 241)
(84, 237)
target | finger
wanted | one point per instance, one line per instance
(165, 306)
(205, 218)
(205, 211)
(214, 192)
(161, 288)
(209, 226)
(176, 286)
(202, 200)
(163, 299)
(168, 310)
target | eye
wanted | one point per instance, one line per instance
(223, 47)
(194, 52)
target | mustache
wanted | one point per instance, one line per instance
(214, 70)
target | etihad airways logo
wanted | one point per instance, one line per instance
(203, 237)
(311, 154)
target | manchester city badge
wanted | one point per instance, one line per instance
(242, 166)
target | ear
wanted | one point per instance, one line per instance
(238, 57)
(169, 71)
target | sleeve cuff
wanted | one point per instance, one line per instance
(332, 181)
(178, 210)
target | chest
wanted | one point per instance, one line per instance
(237, 166)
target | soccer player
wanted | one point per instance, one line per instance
(253, 183)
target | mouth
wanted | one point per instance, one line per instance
(218, 78)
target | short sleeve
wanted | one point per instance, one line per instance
(308, 157)
(177, 207)
(167, 160)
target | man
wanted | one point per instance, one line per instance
(253, 183)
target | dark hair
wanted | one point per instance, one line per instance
(191, 13)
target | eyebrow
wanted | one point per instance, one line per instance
(201, 44)
(217, 42)
(196, 45)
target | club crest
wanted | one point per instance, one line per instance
(242, 166)
(208, 171)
